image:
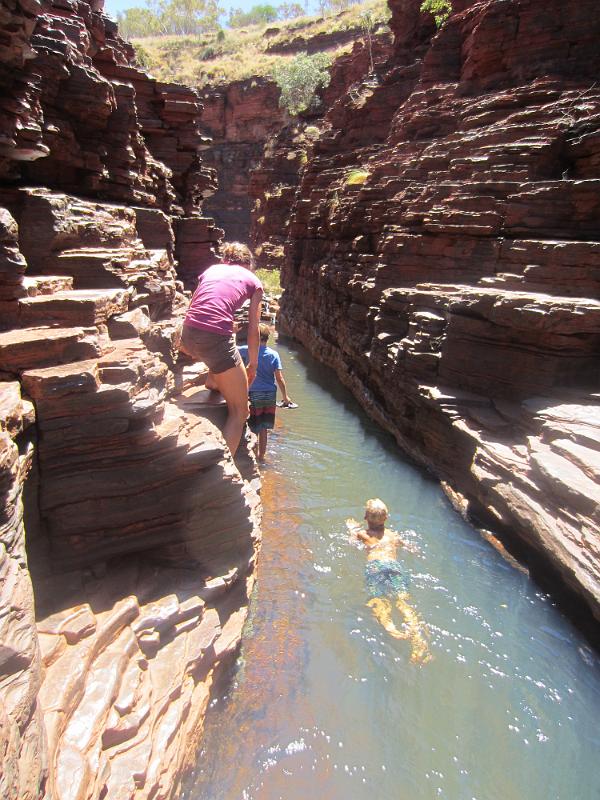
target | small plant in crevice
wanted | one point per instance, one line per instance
(441, 10)
(368, 25)
(311, 132)
(356, 177)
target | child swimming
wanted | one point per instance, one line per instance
(387, 580)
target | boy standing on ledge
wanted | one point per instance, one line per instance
(386, 579)
(263, 391)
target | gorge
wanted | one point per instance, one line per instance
(437, 222)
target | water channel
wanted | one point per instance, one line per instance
(323, 703)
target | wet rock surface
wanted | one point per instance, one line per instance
(443, 259)
(141, 531)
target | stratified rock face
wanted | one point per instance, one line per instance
(77, 116)
(22, 734)
(444, 258)
(133, 671)
(141, 531)
(274, 182)
(239, 117)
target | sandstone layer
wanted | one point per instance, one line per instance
(443, 257)
(118, 495)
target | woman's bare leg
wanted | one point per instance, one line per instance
(233, 385)
(210, 382)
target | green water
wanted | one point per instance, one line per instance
(325, 704)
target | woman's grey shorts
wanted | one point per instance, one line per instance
(218, 351)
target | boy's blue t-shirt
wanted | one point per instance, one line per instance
(268, 362)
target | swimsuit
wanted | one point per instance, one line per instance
(385, 578)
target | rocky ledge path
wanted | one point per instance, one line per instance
(142, 532)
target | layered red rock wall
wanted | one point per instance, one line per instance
(141, 531)
(239, 117)
(274, 181)
(443, 258)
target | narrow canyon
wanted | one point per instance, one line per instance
(436, 220)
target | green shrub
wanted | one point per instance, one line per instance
(299, 78)
(270, 280)
(441, 10)
(142, 57)
(312, 132)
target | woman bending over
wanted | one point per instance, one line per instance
(208, 334)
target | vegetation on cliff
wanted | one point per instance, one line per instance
(226, 55)
(299, 78)
(441, 10)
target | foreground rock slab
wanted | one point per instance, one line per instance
(128, 673)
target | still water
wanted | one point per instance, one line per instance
(323, 703)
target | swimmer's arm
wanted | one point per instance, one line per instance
(406, 545)
(355, 530)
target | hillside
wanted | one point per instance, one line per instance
(236, 54)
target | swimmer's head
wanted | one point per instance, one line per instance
(376, 512)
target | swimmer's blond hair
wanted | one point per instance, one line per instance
(376, 511)
(237, 253)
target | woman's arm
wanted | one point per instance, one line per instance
(281, 384)
(253, 334)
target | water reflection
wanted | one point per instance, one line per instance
(325, 704)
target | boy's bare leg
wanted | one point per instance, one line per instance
(262, 444)
(420, 651)
(382, 610)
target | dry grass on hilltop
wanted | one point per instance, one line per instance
(242, 53)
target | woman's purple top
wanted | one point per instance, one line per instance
(221, 290)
